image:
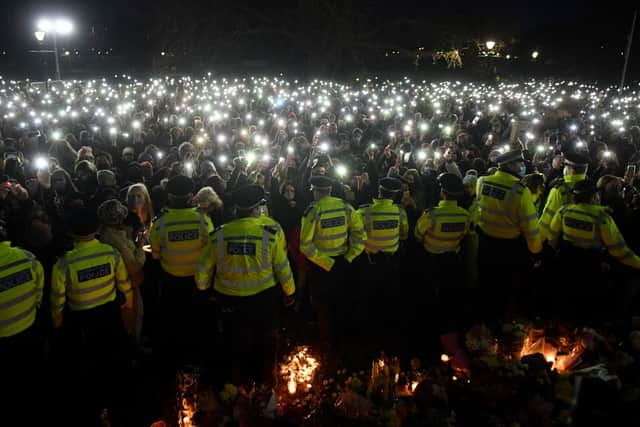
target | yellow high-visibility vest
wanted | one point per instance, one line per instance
(249, 256)
(87, 276)
(21, 284)
(506, 209)
(442, 228)
(559, 196)
(385, 224)
(177, 239)
(588, 226)
(330, 228)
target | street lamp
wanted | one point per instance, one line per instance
(56, 27)
(490, 44)
(535, 54)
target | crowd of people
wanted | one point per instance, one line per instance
(179, 216)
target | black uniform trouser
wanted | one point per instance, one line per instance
(249, 326)
(503, 269)
(446, 282)
(94, 354)
(376, 303)
(21, 370)
(328, 300)
(180, 319)
(582, 287)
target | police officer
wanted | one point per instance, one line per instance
(178, 237)
(84, 286)
(575, 170)
(21, 285)
(386, 226)
(440, 230)
(582, 232)
(506, 216)
(331, 237)
(249, 255)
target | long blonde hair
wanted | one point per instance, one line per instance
(146, 214)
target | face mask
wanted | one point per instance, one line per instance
(289, 195)
(522, 172)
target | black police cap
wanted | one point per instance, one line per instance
(248, 197)
(83, 221)
(510, 157)
(576, 159)
(585, 187)
(390, 184)
(451, 183)
(180, 186)
(321, 182)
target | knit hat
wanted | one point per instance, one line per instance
(112, 212)
(106, 178)
(470, 178)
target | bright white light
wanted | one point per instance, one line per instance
(251, 157)
(422, 155)
(44, 25)
(159, 154)
(40, 35)
(324, 147)
(41, 163)
(437, 155)
(222, 159)
(56, 134)
(540, 149)
(290, 149)
(573, 128)
(424, 127)
(579, 144)
(535, 54)
(266, 157)
(490, 44)
(392, 134)
(136, 124)
(341, 170)
(529, 136)
(606, 153)
(188, 166)
(182, 121)
(349, 118)
(200, 140)
(113, 131)
(447, 130)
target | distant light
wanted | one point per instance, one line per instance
(40, 35)
(535, 54)
(182, 121)
(422, 155)
(341, 170)
(606, 153)
(222, 159)
(113, 131)
(529, 136)
(573, 128)
(266, 157)
(490, 44)
(579, 144)
(437, 155)
(41, 163)
(324, 147)
(136, 124)
(188, 166)
(56, 134)
(162, 53)
(159, 154)
(540, 149)
(424, 127)
(290, 149)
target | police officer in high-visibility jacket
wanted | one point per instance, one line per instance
(507, 226)
(332, 235)
(583, 232)
(178, 237)
(21, 285)
(440, 230)
(249, 255)
(575, 170)
(21, 340)
(85, 283)
(85, 279)
(386, 225)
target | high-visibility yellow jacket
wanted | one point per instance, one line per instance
(506, 209)
(249, 256)
(442, 228)
(386, 224)
(87, 276)
(590, 226)
(178, 238)
(330, 228)
(559, 196)
(21, 284)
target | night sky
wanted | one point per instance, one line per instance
(571, 31)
